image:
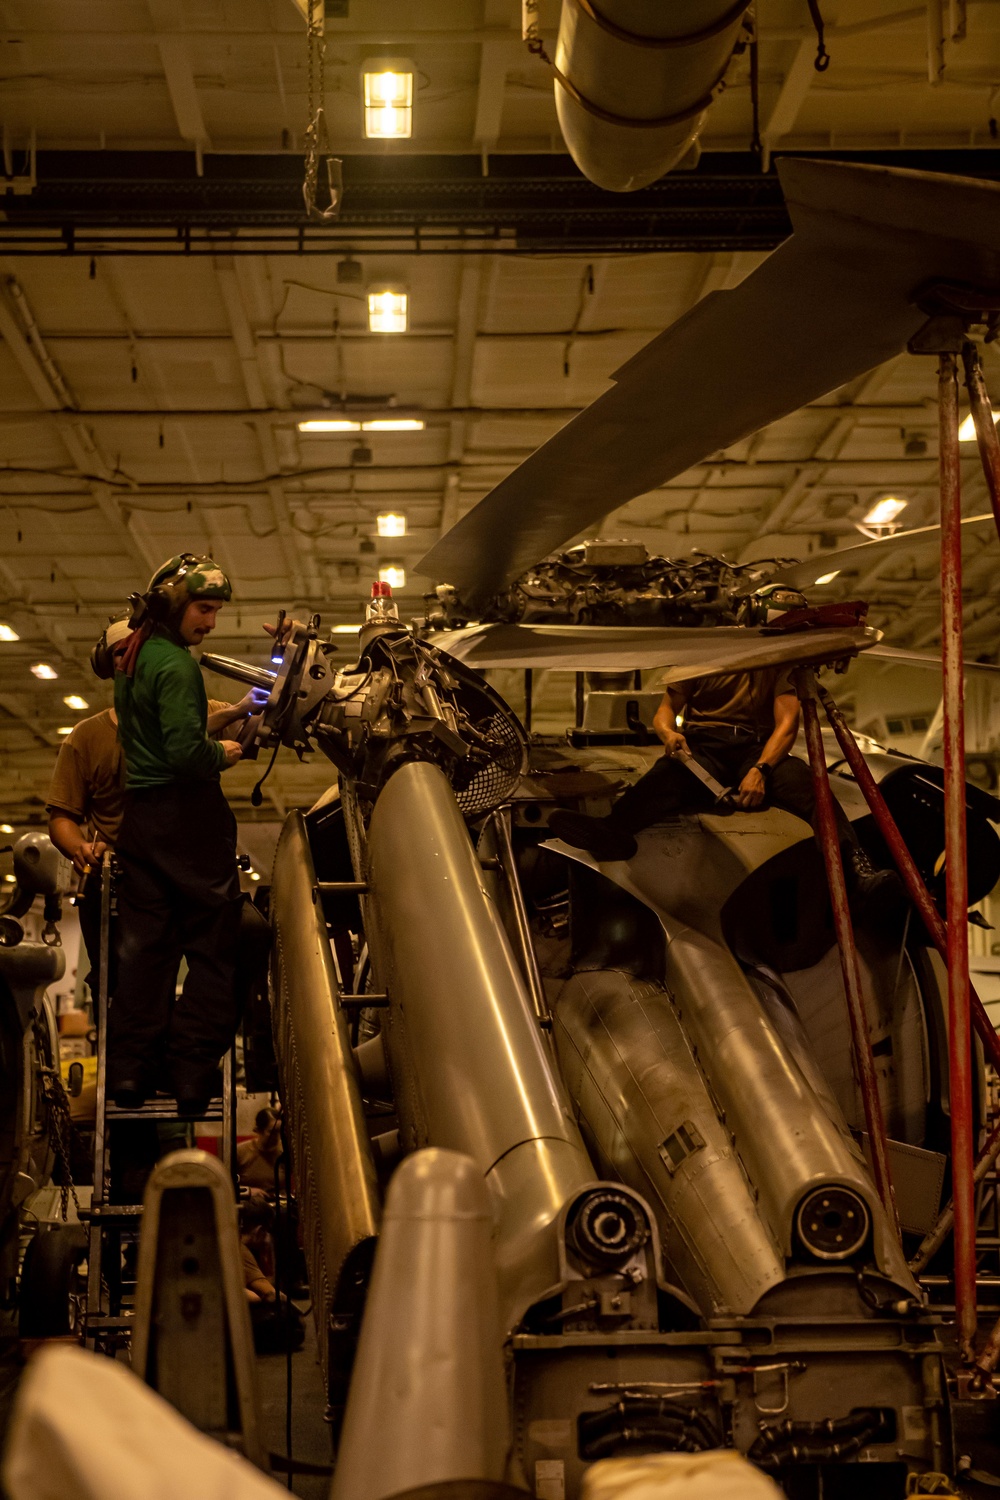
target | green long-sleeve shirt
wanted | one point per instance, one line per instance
(162, 717)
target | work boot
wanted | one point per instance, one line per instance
(129, 1094)
(883, 889)
(599, 836)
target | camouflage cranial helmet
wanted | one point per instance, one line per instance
(766, 604)
(181, 579)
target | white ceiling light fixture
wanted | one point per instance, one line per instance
(6, 828)
(11, 879)
(329, 424)
(387, 83)
(967, 428)
(254, 874)
(885, 511)
(8, 633)
(391, 523)
(346, 629)
(43, 671)
(66, 729)
(828, 577)
(394, 574)
(388, 309)
(74, 701)
(394, 424)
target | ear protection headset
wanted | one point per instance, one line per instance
(182, 578)
(102, 658)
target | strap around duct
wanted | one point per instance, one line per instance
(677, 118)
(634, 39)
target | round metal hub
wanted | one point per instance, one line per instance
(607, 1228)
(832, 1223)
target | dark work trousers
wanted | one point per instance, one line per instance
(178, 895)
(668, 787)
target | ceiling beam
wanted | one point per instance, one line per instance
(172, 44)
(791, 97)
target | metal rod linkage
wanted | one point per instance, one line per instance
(956, 860)
(932, 1242)
(529, 963)
(860, 1036)
(982, 416)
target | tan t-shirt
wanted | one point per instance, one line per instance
(89, 777)
(735, 698)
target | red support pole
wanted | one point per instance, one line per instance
(906, 865)
(956, 862)
(982, 416)
(860, 1035)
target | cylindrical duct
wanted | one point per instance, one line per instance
(780, 1127)
(634, 79)
(338, 1184)
(645, 1107)
(428, 1403)
(470, 1068)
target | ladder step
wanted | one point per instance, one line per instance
(163, 1109)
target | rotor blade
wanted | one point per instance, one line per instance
(833, 301)
(927, 658)
(802, 574)
(684, 652)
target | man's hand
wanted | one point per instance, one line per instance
(234, 752)
(752, 790)
(252, 703)
(87, 856)
(674, 742)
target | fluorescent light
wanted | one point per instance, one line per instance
(74, 701)
(388, 100)
(829, 577)
(43, 671)
(967, 430)
(346, 629)
(332, 424)
(8, 633)
(11, 879)
(387, 311)
(6, 828)
(392, 574)
(391, 523)
(394, 424)
(66, 729)
(885, 510)
(254, 875)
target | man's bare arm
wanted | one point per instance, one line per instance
(66, 832)
(665, 720)
(753, 787)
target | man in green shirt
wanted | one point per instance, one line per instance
(178, 891)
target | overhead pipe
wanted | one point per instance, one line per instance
(634, 80)
(956, 866)
(833, 861)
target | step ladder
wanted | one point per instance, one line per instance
(109, 1313)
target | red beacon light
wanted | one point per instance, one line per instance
(382, 607)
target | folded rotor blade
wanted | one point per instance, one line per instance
(833, 301)
(684, 652)
(927, 658)
(863, 555)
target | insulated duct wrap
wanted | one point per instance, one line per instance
(338, 1185)
(634, 80)
(470, 1069)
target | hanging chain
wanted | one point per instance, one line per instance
(317, 136)
(61, 1131)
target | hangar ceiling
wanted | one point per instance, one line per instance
(161, 337)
